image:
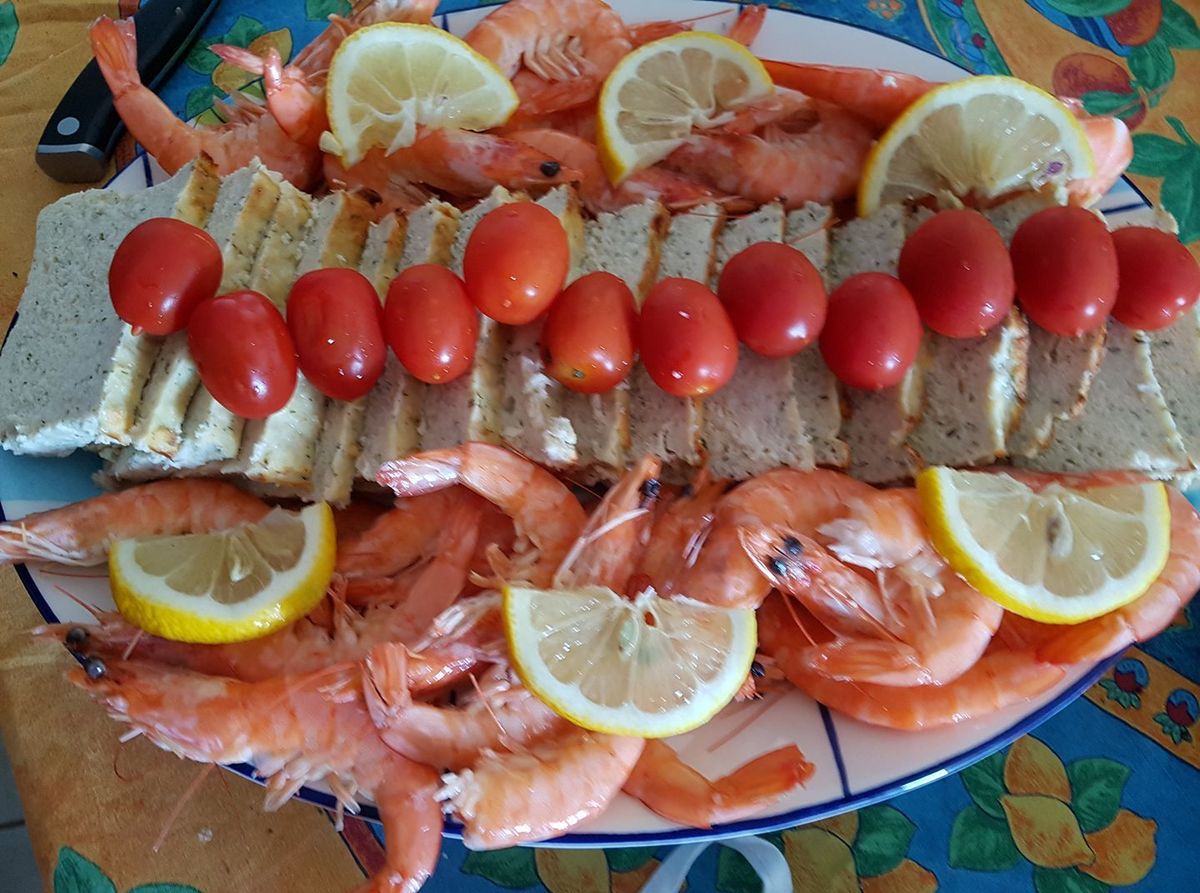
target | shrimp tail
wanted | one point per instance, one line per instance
(865, 659)
(114, 45)
(385, 683)
(239, 57)
(1092, 640)
(748, 24)
(421, 474)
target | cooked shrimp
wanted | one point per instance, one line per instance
(296, 730)
(676, 191)
(744, 28)
(315, 57)
(83, 532)
(397, 538)
(873, 642)
(676, 791)
(606, 551)
(1112, 148)
(466, 634)
(1150, 614)
(172, 142)
(431, 587)
(722, 573)
(545, 513)
(456, 161)
(510, 798)
(816, 156)
(566, 48)
(509, 718)
(679, 532)
(880, 96)
(877, 95)
(1000, 678)
(297, 108)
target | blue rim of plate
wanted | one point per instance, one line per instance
(767, 824)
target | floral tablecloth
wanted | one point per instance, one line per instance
(1102, 796)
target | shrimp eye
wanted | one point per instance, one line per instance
(757, 670)
(792, 546)
(650, 489)
(95, 669)
(76, 636)
(687, 491)
(550, 168)
(778, 567)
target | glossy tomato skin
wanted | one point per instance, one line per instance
(161, 270)
(872, 332)
(588, 339)
(244, 352)
(1065, 267)
(1159, 278)
(686, 339)
(430, 323)
(775, 298)
(337, 325)
(516, 262)
(956, 267)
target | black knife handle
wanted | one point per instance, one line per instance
(83, 131)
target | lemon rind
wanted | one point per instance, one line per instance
(932, 488)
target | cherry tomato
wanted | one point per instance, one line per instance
(1159, 278)
(430, 323)
(687, 341)
(516, 262)
(337, 324)
(775, 298)
(242, 348)
(1065, 267)
(872, 331)
(161, 270)
(958, 271)
(587, 342)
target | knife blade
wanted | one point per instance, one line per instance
(83, 131)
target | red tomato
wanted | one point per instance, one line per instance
(242, 348)
(1159, 278)
(162, 269)
(1065, 268)
(687, 342)
(587, 342)
(872, 332)
(775, 298)
(337, 324)
(430, 323)
(516, 262)
(958, 271)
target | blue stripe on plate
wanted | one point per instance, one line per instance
(831, 734)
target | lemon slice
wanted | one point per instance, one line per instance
(655, 96)
(1057, 555)
(982, 137)
(386, 79)
(648, 667)
(226, 586)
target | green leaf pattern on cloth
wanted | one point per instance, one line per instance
(9, 26)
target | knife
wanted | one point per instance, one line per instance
(82, 133)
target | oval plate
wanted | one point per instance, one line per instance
(856, 764)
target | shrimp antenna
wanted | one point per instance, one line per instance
(177, 809)
(91, 609)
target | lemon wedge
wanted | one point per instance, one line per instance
(648, 667)
(981, 137)
(1056, 555)
(655, 96)
(385, 79)
(226, 586)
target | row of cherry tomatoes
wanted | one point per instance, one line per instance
(1065, 269)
